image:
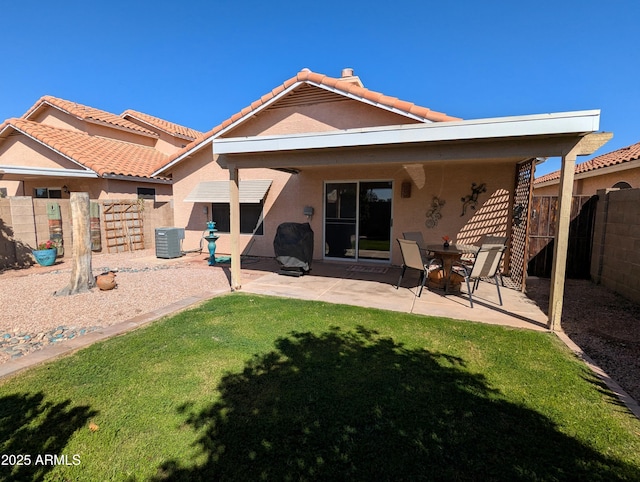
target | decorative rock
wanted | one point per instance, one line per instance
(17, 345)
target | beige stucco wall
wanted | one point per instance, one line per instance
(13, 188)
(169, 144)
(120, 189)
(344, 114)
(100, 188)
(289, 194)
(449, 182)
(23, 151)
(56, 118)
(192, 217)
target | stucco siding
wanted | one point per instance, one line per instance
(441, 180)
(193, 218)
(321, 117)
(56, 118)
(23, 151)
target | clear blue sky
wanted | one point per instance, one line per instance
(198, 62)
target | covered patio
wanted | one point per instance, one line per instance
(506, 144)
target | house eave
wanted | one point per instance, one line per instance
(577, 123)
(153, 180)
(22, 172)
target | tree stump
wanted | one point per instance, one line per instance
(82, 279)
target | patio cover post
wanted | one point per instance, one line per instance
(234, 214)
(561, 245)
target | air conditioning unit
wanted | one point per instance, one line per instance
(169, 242)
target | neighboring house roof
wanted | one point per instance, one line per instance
(88, 114)
(613, 158)
(166, 126)
(103, 155)
(349, 87)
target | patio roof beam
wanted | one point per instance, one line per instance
(508, 149)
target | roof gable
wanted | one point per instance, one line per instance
(293, 92)
(103, 155)
(163, 125)
(85, 113)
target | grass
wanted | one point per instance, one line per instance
(257, 388)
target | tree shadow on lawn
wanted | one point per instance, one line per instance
(356, 406)
(31, 426)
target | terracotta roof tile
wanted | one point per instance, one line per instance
(101, 154)
(87, 113)
(166, 126)
(619, 156)
(347, 87)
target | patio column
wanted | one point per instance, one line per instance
(234, 214)
(561, 245)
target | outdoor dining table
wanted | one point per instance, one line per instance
(448, 255)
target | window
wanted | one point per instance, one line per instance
(47, 193)
(622, 185)
(250, 217)
(3, 192)
(147, 193)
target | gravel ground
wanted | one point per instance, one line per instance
(604, 324)
(32, 317)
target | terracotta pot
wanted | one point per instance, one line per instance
(106, 281)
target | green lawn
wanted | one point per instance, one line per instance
(255, 388)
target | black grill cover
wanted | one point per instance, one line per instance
(293, 245)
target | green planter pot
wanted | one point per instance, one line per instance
(45, 257)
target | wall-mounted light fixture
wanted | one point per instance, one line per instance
(405, 189)
(308, 212)
(65, 189)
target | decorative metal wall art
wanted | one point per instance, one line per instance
(471, 200)
(518, 211)
(433, 214)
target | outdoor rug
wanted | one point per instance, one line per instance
(368, 269)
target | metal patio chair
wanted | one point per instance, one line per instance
(412, 258)
(415, 236)
(485, 265)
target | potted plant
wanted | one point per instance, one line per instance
(46, 253)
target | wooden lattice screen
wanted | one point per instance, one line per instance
(519, 232)
(123, 225)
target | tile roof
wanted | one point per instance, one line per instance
(103, 155)
(166, 126)
(345, 87)
(620, 156)
(86, 113)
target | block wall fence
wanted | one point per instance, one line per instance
(615, 255)
(24, 223)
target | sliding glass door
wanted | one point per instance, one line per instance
(358, 220)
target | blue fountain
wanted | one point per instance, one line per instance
(211, 238)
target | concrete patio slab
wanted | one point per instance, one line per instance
(374, 286)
